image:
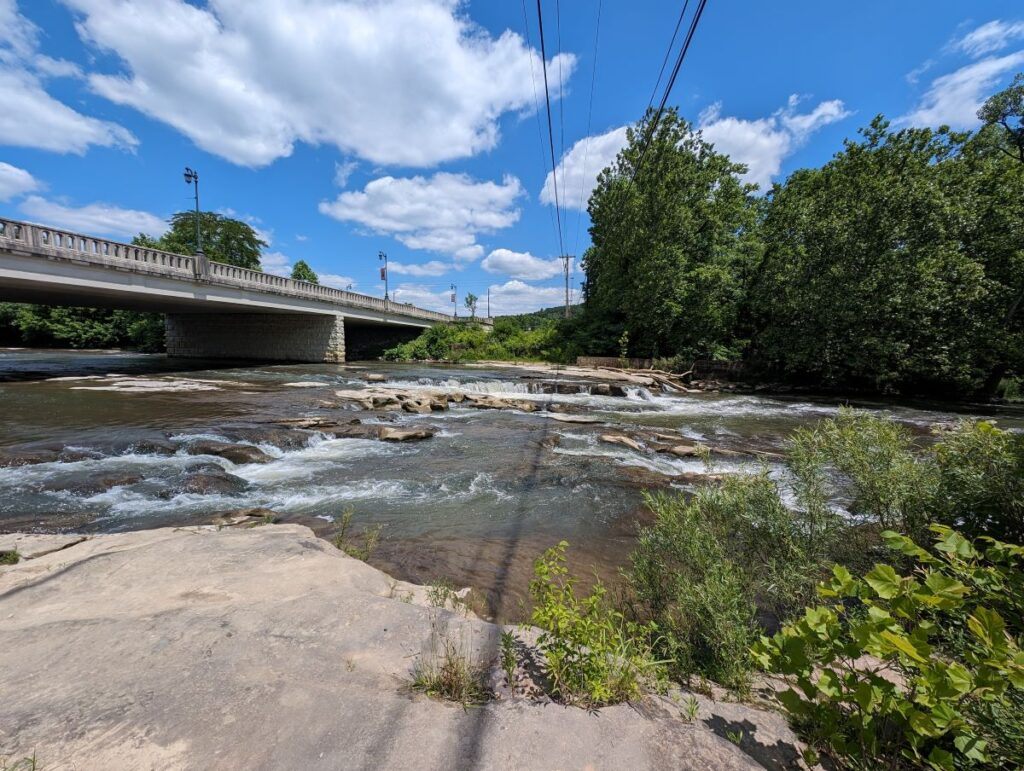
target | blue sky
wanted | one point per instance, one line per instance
(340, 128)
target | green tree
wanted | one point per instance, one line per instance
(302, 272)
(885, 268)
(671, 249)
(471, 304)
(1006, 110)
(225, 239)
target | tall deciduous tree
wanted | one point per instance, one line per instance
(673, 248)
(225, 239)
(302, 272)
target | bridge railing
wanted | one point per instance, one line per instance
(27, 237)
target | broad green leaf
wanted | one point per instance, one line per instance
(884, 580)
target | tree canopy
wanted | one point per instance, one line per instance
(302, 272)
(225, 239)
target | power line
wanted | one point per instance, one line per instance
(668, 53)
(536, 102)
(590, 115)
(668, 86)
(551, 133)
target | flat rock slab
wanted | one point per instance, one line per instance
(267, 648)
(32, 545)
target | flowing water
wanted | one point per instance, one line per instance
(109, 436)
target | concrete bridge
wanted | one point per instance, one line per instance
(212, 310)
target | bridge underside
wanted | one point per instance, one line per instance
(213, 321)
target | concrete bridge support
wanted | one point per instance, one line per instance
(258, 336)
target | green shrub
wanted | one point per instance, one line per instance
(707, 564)
(592, 654)
(877, 683)
(980, 485)
(9, 557)
(345, 541)
(450, 673)
(886, 480)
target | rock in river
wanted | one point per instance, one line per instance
(396, 434)
(236, 453)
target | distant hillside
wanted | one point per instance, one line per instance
(538, 318)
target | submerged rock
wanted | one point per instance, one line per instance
(208, 482)
(27, 457)
(239, 454)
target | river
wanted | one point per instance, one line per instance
(108, 434)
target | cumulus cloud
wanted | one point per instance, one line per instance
(989, 37)
(277, 263)
(578, 169)
(442, 213)
(762, 144)
(338, 282)
(30, 116)
(519, 297)
(432, 268)
(521, 264)
(410, 82)
(954, 99)
(99, 219)
(423, 297)
(15, 182)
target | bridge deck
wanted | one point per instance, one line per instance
(67, 251)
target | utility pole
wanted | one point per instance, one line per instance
(455, 304)
(488, 302)
(566, 259)
(384, 273)
(192, 178)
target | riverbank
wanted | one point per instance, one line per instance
(207, 647)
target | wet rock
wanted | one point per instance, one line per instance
(213, 483)
(376, 377)
(102, 483)
(681, 450)
(574, 418)
(616, 390)
(282, 438)
(236, 453)
(153, 447)
(418, 406)
(490, 402)
(395, 434)
(308, 422)
(27, 457)
(73, 456)
(601, 389)
(625, 441)
(244, 517)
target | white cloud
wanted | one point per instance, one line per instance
(989, 37)
(442, 213)
(954, 99)
(521, 264)
(763, 144)
(338, 282)
(98, 219)
(277, 263)
(30, 116)
(519, 297)
(578, 168)
(299, 237)
(423, 297)
(432, 268)
(15, 182)
(342, 171)
(915, 74)
(410, 82)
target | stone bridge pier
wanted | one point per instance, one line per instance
(257, 336)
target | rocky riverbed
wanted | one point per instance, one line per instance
(265, 647)
(470, 471)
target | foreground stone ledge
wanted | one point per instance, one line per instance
(266, 647)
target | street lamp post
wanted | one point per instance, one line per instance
(455, 305)
(384, 273)
(201, 267)
(192, 178)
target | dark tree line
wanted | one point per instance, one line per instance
(898, 266)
